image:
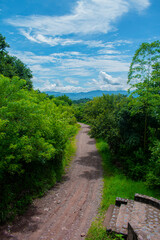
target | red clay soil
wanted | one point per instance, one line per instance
(67, 210)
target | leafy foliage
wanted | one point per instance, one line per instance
(144, 77)
(34, 134)
(153, 176)
(115, 184)
(12, 66)
(81, 101)
(131, 125)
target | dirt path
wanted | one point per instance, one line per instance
(68, 209)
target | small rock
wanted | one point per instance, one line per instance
(46, 209)
(64, 229)
(58, 202)
(83, 234)
(36, 218)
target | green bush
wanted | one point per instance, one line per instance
(34, 134)
(153, 176)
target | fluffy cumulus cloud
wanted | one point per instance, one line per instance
(108, 83)
(105, 82)
(108, 79)
(91, 16)
(57, 86)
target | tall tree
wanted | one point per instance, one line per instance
(3, 44)
(11, 66)
(144, 77)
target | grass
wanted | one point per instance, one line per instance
(69, 151)
(115, 185)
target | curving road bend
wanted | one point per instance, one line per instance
(68, 209)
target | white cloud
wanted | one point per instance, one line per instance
(93, 85)
(107, 51)
(28, 36)
(69, 70)
(141, 5)
(73, 63)
(31, 59)
(54, 41)
(58, 83)
(97, 62)
(109, 79)
(71, 81)
(106, 82)
(87, 17)
(37, 80)
(49, 86)
(39, 69)
(73, 89)
(73, 67)
(39, 38)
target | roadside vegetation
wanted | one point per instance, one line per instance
(116, 184)
(127, 129)
(35, 136)
(130, 125)
(36, 139)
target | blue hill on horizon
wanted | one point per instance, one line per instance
(81, 95)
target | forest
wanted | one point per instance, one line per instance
(131, 124)
(36, 130)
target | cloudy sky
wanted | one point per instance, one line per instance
(78, 45)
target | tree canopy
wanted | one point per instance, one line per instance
(144, 78)
(131, 124)
(34, 137)
(145, 63)
(11, 66)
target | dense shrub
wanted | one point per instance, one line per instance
(153, 176)
(113, 119)
(34, 133)
(131, 125)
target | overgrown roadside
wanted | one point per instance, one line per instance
(35, 134)
(67, 210)
(115, 185)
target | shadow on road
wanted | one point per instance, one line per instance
(92, 161)
(92, 142)
(91, 175)
(22, 224)
(29, 221)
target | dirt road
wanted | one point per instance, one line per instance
(68, 209)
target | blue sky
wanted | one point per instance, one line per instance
(84, 45)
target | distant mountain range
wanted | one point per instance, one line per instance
(91, 94)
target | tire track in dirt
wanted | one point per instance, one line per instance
(68, 209)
